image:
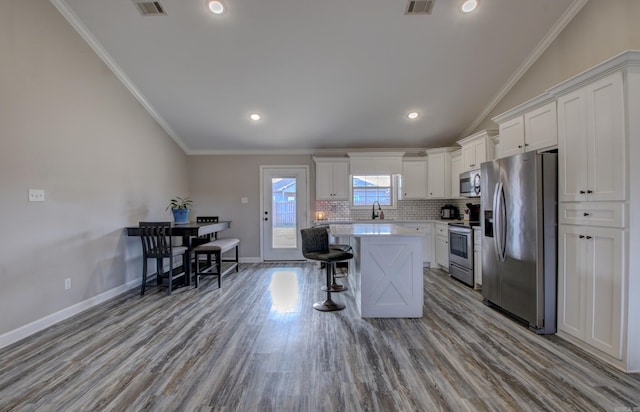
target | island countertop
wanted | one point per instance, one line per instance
(371, 229)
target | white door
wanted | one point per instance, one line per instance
(284, 211)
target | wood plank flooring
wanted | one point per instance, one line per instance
(257, 345)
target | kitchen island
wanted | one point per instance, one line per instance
(387, 279)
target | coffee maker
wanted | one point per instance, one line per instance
(474, 212)
(449, 212)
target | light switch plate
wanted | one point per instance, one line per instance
(244, 200)
(36, 195)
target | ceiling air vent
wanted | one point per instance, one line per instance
(419, 7)
(150, 8)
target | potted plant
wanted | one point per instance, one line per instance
(180, 208)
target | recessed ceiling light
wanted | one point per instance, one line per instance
(468, 6)
(413, 115)
(216, 6)
(254, 116)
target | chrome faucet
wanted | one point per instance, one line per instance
(374, 215)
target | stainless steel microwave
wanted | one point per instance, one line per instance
(470, 183)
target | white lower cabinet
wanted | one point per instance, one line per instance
(442, 245)
(590, 286)
(427, 245)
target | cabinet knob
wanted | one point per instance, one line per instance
(589, 191)
(581, 236)
(586, 213)
(582, 192)
(588, 237)
(519, 146)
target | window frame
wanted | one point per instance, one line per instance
(393, 186)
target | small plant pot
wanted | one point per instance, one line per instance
(180, 215)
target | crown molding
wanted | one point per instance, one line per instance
(84, 32)
(250, 152)
(546, 41)
(620, 61)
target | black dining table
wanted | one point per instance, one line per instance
(188, 231)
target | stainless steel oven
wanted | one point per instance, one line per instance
(461, 252)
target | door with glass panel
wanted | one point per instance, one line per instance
(284, 211)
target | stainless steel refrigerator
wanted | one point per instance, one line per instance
(519, 226)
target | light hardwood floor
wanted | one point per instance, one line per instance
(257, 345)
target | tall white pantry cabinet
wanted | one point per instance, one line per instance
(599, 230)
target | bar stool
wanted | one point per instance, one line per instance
(344, 248)
(315, 246)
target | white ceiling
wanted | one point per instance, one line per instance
(323, 74)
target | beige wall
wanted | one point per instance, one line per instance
(219, 182)
(602, 29)
(68, 126)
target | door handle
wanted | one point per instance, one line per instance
(266, 218)
(586, 214)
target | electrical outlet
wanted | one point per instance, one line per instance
(67, 284)
(36, 195)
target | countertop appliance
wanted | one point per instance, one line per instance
(519, 229)
(472, 213)
(449, 212)
(470, 183)
(461, 251)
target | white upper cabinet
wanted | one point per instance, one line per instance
(476, 149)
(414, 179)
(456, 169)
(375, 163)
(332, 179)
(541, 127)
(511, 137)
(591, 142)
(439, 173)
(533, 130)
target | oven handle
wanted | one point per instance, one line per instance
(461, 230)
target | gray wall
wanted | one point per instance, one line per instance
(68, 126)
(219, 182)
(602, 29)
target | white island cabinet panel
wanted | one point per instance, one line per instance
(392, 281)
(389, 276)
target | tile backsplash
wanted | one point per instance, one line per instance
(406, 209)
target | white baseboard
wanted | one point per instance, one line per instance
(22, 332)
(250, 260)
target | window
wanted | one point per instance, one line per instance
(367, 189)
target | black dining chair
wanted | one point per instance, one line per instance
(315, 246)
(157, 244)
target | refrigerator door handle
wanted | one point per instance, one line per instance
(499, 219)
(503, 224)
(496, 222)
